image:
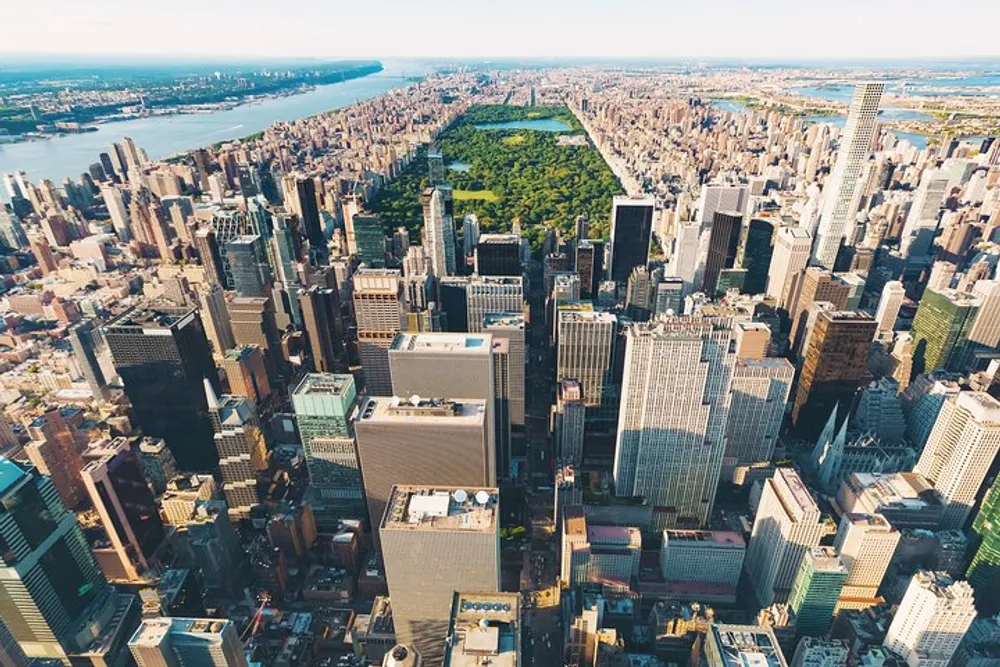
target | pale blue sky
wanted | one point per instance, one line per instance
(753, 29)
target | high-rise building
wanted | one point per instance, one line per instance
(673, 414)
(984, 571)
(484, 628)
(158, 463)
(214, 545)
(984, 336)
(731, 645)
(589, 266)
(866, 544)
(816, 590)
(510, 326)
(941, 329)
(453, 532)
(54, 452)
(491, 294)
(247, 256)
(835, 367)
(11, 654)
(307, 206)
(631, 228)
(176, 642)
(435, 168)
(470, 234)
(961, 448)
(128, 513)
(325, 406)
(50, 584)
(215, 318)
(760, 389)
(758, 248)
(378, 313)
(893, 295)
(498, 255)
(322, 323)
(841, 195)
(255, 322)
(584, 351)
(369, 240)
(786, 526)
(723, 244)
(791, 254)
(714, 557)
(239, 442)
(87, 342)
(931, 620)
(568, 421)
(820, 652)
(247, 374)
(447, 441)
(814, 285)
(922, 221)
(439, 231)
(163, 357)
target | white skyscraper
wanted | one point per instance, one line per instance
(931, 620)
(760, 389)
(866, 544)
(922, 220)
(673, 414)
(889, 304)
(116, 209)
(791, 254)
(584, 341)
(959, 451)
(492, 294)
(787, 524)
(986, 329)
(176, 642)
(439, 233)
(842, 190)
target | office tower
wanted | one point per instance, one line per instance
(584, 351)
(163, 357)
(210, 254)
(816, 590)
(760, 389)
(306, 205)
(631, 228)
(378, 313)
(470, 234)
(638, 297)
(214, 546)
(176, 642)
(247, 374)
(435, 168)
(11, 654)
(668, 296)
(820, 652)
(984, 336)
(930, 622)
(447, 441)
(128, 512)
(941, 329)
(866, 544)
(962, 445)
(922, 221)
(984, 571)
(758, 249)
(325, 406)
(510, 326)
(841, 194)
(498, 255)
(714, 557)
(500, 408)
(453, 532)
(255, 323)
(880, 412)
(792, 246)
(321, 321)
(589, 264)
(50, 584)
(239, 442)
(86, 340)
(835, 367)
(439, 231)
(568, 420)
(723, 242)
(922, 400)
(119, 213)
(158, 463)
(369, 239)
(673, 413)
(730, 645)
(251, 274)
(215, 317)
(55, 453)
(453, 298)
(42, 251)
(786, 526)
(893, 295)
(814, 285)
(491, 294)
(11, 231)
(485, 628)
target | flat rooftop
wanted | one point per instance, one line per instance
(507, 320)
(10, 474)
(484, 630)
(414, 408)
(152, 631)
(715, 538)
(153, 317)
(800, 493)
(825, 559)
(498, 239)
(324, 384)
(450, 343)
(746, 646)
(442, 508)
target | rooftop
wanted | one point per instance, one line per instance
(441, 508)
(152, 631)
(151, 317)
(485, 629)
(717, 538)
(507, 320)
(326, 384)
(746, 646)
(495, 239)
(422, 409)
(825, 559)
(451, 343)
(983, 407)
(10, 473)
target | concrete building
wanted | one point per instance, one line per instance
(786, 526)
(378, 313)
(791, 255)
(568, 421)
(760, 389)
(812, 286)
(906, 500)
(673, 415)
(714, 557)
(932, 619)
(866, 544)
(239, 441)
(739, 645)
(922, 400)
(485, 628)
(584, 351)
(491, 294)
(453, 533)
(819, 652)
(498, 255)
(176, 642)
(941, 329)
(510, 325)
(893, 295)
(961, 448)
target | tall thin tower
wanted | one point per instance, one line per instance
(840, 198)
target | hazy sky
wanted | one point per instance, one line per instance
(758, 29)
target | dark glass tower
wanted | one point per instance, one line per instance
(312, 226)
(757, 253)
(631, 227)
(163, 357)
(248, 264)
(723, 243)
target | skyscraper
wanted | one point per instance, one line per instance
(835, 367)
(791, 254)
(239, 442)
(631, 228)
(961, 448)
(922, 220)
(841, 195)
(930, 622)
(589, 266)
(584, 350)
(491, 294)
(510, 326)
(786, 526)
(247, 256)
(247, 374)
(893, 295)
(307, 207)
(369, 239)
(568, 421)
(498, 255)
(176, 642)
(86, 340)
(673, 414)
(325, 406)
(321, 320)
(439, 232)
(814, 285)
(815, 590)
(163, 357)
(760, 389)
(723, 243)
(984, 571)
(378, 313)
(941, 329)
(49, 581)
(866, 543)
(453, 532)
(757, 252)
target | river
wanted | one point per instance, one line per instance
(70, 155)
